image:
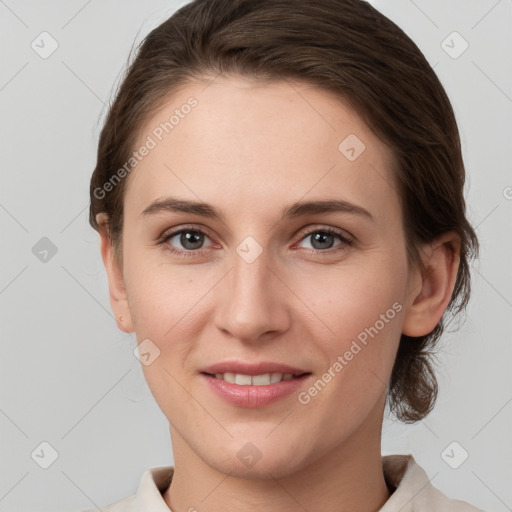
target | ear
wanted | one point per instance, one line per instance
(118, 298)
(441, 260)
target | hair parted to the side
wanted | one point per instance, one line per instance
(343, 46)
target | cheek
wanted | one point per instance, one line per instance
(355, 313)
(164, 304)
(160, 294)
(362, 310)
(351, 297)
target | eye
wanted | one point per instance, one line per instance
(190, 239)
(322, 239)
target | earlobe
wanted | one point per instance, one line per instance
(117, 290)
(431, 298)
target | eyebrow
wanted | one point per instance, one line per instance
(298, 209)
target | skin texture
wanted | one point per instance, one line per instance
(250, 150)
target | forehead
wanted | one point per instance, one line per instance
(241, 145)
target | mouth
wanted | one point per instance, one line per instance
(264, 379)
(253, 391)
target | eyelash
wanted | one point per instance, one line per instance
(348, 242)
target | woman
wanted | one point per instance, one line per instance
(279, 196)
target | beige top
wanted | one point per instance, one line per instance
(412, 490)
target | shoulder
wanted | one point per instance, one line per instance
(414, 491)
(127, 504)
(149, 495)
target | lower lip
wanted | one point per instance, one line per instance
(254, 396)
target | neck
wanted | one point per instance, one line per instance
(349, 477)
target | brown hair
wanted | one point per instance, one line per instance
(342, 46)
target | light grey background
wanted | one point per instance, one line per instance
(69, 376)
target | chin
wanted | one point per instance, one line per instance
(249, 462)
(262, 470)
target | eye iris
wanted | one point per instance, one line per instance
(321, 236)
(193, 237)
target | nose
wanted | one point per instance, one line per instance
(252, 300)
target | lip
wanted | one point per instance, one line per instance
(252, 368)
(253, 396)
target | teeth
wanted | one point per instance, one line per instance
(254, 380)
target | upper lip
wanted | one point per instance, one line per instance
(252, 368)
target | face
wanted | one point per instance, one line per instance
(321, 289)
